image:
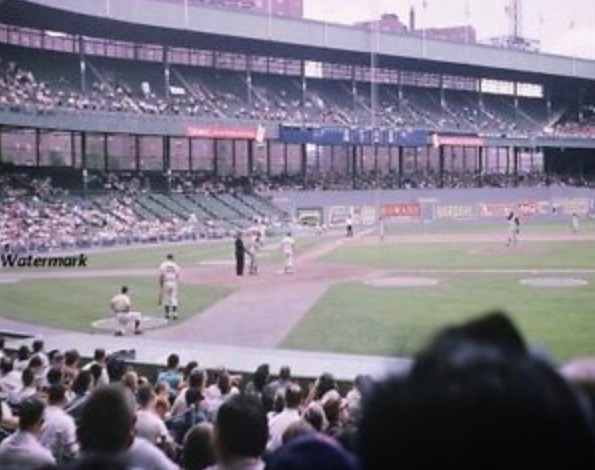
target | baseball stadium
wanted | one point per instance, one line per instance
(236, 186)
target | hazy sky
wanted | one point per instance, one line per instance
(563, 26)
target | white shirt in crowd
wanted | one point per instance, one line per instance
(58, 433)
(151, 427)
(277, 426)
(144, 455)
(22, 451)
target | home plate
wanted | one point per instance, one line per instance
(403, 282)
(554, 282)
(219, 262)
(147, 323)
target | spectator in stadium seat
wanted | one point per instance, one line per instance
(277, 386)
(10, 379)
(38, 351)
(196, 381)
(241, 434)
(82, 387)
(256, 386)
(476, 399)
(313, 452)
(99, 359)
(106, 427)
(172, 374)
(198, 450)
(290, 414)
(149, 425)
(297, 429)
(22, 450)
(26, 390)
(58, 433)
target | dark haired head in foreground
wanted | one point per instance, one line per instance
(476, 399)
(241, 430)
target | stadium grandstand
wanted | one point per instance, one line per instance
(166, 121)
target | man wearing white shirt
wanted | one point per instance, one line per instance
(121, 305)
(290, 414)
(22, 450)
(58, 433)
(149, 425)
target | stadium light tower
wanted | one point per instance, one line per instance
(515, 18)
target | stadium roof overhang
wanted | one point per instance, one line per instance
(169, 23)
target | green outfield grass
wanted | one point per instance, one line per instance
(147, 257)
(528, 255)
(75, 303)
(466, 227)
(355, 318)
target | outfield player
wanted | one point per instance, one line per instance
(169, 276)
(349, 224)
(288, 245)
(514, 228)
(121, 305)
(575, 223)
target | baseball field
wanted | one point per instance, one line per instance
(362, 295)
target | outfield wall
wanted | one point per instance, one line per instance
(416, 205)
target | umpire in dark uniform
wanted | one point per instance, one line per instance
(240, 254)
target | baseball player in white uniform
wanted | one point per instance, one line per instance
(514, 228)
(575, 223)
(253, 249)
(169, 276)
(288, 244)
(120, 305)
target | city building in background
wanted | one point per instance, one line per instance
(288, 8)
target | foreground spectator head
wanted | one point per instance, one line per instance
(476, 400)
(98, 462)
(31, 415)
(106, 424)
(198, 449)
(241, 429)
(312, 452)
(296, 430)
(173, 361)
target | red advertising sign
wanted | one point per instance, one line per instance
(528, 208)
(410, 210)
(226, 133)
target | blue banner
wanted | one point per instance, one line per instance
(364, 136)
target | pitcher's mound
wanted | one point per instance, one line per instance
(147, 323)
(554, 282)
(403, 282)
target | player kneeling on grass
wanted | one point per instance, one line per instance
(169, 275)
(120, 306)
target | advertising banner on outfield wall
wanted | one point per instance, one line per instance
(338, 215)
(401, 211)
(311, 216)
(454, 212)
(568, 206)
(364, 215)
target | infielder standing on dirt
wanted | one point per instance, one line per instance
(169, 276)
(288, 245)
(253, 249)
(514, 228)
(120, 305)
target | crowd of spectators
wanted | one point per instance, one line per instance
(212, 95)
(477, 397)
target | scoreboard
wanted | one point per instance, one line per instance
(343, 135)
